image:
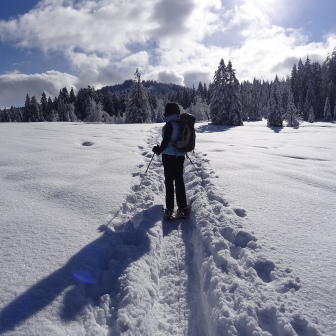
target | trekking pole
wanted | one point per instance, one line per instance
(147, 170)
(195, 168)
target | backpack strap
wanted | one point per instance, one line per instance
(175, 121)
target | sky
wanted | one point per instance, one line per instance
(48, 44)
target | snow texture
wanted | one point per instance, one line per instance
(139, 275)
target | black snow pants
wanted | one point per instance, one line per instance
(173, 171)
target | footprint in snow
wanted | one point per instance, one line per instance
(87, 143)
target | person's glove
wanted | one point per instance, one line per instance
(156, 150)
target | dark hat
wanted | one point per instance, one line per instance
(171, 108)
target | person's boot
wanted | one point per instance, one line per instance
(182, 212)
(168, 214)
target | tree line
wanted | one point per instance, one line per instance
(308, 93)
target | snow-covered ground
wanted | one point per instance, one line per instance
(84, 251)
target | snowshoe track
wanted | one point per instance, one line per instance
(202, 276)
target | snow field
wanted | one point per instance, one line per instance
(209, 275)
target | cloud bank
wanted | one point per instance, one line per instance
(169, 40)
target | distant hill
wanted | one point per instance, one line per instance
(150, 85)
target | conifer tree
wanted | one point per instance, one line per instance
(95, 112)
(199, 109)
(138, 109)
(52, 115)
(64, 95)
(44, 105)
(275, 106)
(200, 90)
(108, 104)
(218, 111)
(295, 85)
(233, 98)
(34, 110)
(72, 96)
(255, 112)
(327, 110)
(26, 111)
(311, 115)
(291, 114)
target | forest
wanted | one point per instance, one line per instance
(308, 93)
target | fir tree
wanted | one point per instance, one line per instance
(34, 110)
(327, 110)
(218, 88)
(44, 105)
(64, 95)
(72, 96)
(233, 98)
(26, 111)
(138, 108)
(311, 115)
(199, 109)
(200, 90)
(95, 112)
(61, 109)
(275, 106)
(291, 114)
(255, 111)
(108, 104)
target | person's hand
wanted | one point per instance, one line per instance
(156, 150)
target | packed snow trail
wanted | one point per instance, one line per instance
(237, 290)
(204, 276)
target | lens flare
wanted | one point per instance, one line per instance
(84, 276)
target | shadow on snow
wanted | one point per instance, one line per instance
(85, 272)
(210, 128)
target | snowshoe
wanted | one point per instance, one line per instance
(182, 213)
(168, 214)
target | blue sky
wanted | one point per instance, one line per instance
(49, 44)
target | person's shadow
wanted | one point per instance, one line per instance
(93, 272)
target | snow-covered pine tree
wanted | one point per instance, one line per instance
(309, 102)
(246, 94)
(160, 107)
(95, 112)
(34, 110)
(291, 114)
(138, 109)
(311, 115)
(264, 99)
(72, 96)
(255, 113)
(64, 95)
(44, 105)
(69, 112)
(218, 113)
(199, 109)
(108, 103)
(310, 97)
(200, 90)
(275, 106)
(26, 111)
(61, 109)
(233, 98)
(295, 85)
(301, 87)
(327, 110)
(52, 115)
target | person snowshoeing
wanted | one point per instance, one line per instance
(173, 161)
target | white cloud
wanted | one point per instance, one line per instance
(168, 40)
(14, 86)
